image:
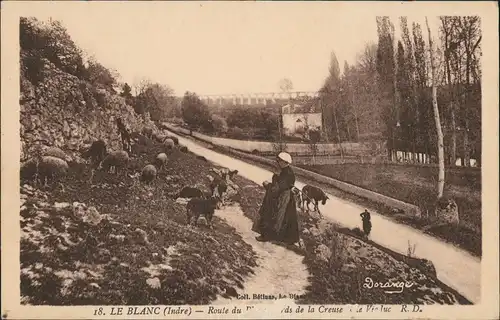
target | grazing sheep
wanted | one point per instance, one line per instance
(197, 207)
(183, 149)
(115, 160)
(160, 137)
(315, 194)
(148, 173)
(174, 139)
(169, 143)
(55, 152)
(161, 161)
(51, 168)
(29, 169)
(190, 192)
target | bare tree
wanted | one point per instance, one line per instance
(440, 145)
(286, 85)
(448, 31)
(140, 86)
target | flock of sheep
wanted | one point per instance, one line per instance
(51, 164)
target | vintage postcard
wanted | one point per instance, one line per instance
(270, 160)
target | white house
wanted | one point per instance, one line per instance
(297, 117)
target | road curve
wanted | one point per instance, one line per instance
(454, 266)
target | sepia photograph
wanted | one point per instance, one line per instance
(209, 159)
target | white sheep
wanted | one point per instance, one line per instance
(55, 152)
(148, 173)
(169, 143)
(51, 169)
(115, 160)
(161, 160)
(160, 137)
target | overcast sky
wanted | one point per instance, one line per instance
(221, 48)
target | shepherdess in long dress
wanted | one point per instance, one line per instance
(278, 213)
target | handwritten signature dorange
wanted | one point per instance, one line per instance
(400, 285)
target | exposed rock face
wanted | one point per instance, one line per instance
(66, 112)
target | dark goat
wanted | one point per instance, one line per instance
(314, 194)
(124, 134)
(96, 153)
(197, 207)
(190, 192)
(115, 160)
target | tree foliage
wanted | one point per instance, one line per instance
(194, 112)
(50, 41)
(386, 94)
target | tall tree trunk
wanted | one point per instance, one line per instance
(348, 132)
(453, 149)
(338, 134)
(466, 144)
(466, 119)
(451, 91)
(357, 128)
(466, 151)
(440, 186)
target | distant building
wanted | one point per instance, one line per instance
(299, 116)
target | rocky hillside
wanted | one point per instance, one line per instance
(67, 112)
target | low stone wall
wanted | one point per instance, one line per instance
(409, 209)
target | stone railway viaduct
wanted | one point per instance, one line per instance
(256, 98)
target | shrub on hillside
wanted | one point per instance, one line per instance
(50, 40)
